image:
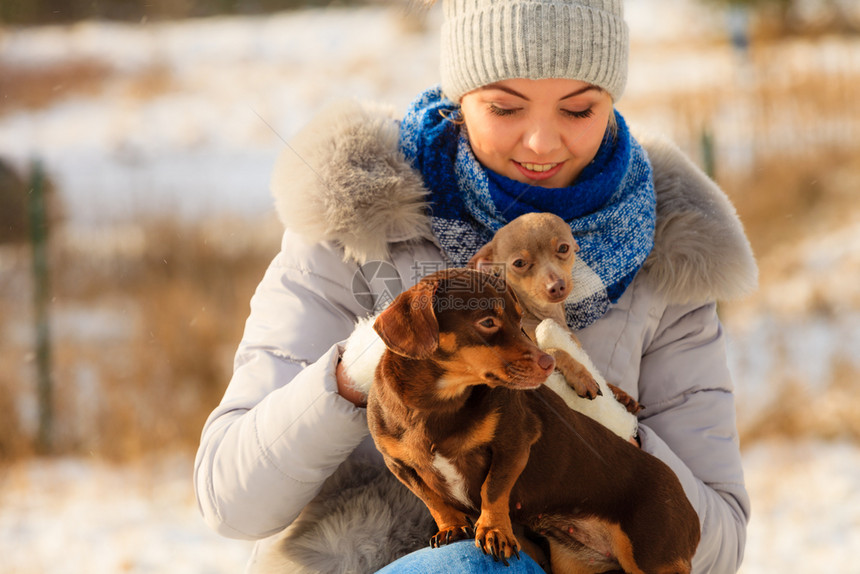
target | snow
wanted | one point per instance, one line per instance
(806, 508)
(189, 121)
(70, 516)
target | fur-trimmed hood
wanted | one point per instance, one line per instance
(344, 179)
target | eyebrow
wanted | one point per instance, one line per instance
(519, 95)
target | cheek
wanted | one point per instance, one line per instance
(589, 146)
(589, 140)
(488, 139)
(489, 136)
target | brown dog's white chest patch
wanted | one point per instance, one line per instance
(461, 446)
(454, 480)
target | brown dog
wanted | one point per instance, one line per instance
(536, 252)
(460, 414)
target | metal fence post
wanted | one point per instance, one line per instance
(709, 153)
(41, 298)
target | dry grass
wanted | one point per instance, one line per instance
(149, 83)
(192, 300)
(14, 440)
(15, 287)
(143, 344)
(37, 88)
(783, 201)
(799, 410)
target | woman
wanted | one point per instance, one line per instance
(524, 121)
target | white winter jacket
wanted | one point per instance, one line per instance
(347, 197)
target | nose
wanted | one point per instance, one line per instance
(543, 137)
(556, 289)
(546, 362)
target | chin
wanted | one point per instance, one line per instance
(554, 183)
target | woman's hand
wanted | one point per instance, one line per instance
(346, 387)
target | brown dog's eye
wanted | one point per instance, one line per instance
(563, 248)
(489, 323)
(519, 263)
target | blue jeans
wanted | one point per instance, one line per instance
(462, 556)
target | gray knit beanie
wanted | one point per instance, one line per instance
(486, 41)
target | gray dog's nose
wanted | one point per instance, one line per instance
(557, 289)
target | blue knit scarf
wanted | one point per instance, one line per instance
(611, 208)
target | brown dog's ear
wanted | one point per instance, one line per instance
(517, 305)
(483, 259)
(408, 326)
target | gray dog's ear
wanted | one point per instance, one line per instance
(408, 326)
(483, 259)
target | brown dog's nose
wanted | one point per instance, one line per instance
(546, 362)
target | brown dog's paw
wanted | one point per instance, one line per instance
(500, 545)
(586, 387)
(576, 375)
(451, 534)
(631, 404)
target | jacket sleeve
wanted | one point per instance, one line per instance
(281, 428)
(689, 423)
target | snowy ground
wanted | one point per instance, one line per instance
(74, 516)
(201, 138)
(806, 508)
(77, 516)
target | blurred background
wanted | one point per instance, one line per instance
(136, 142)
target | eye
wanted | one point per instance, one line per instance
(563, 248)
(519, 263)
(579, 114)
(500, 111)
(489, 323)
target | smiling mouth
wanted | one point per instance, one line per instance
(538, 167)
(538, 171)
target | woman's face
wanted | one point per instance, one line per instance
(540, 132)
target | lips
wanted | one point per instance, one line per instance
(538, 167)
(538, 171)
